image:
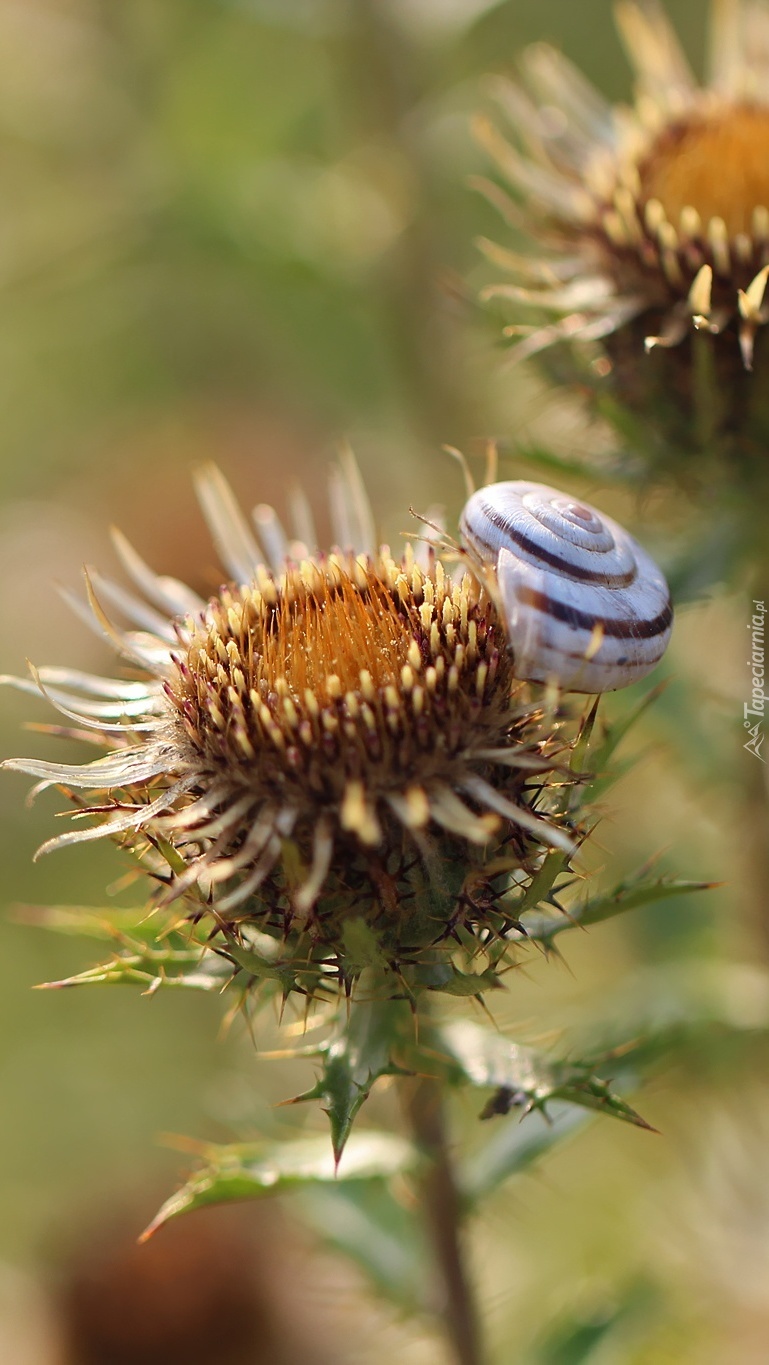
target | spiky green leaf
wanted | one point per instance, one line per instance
(253, 1170)
(356, 1057)
(524, 1078)
(634, 891)
(153, 969)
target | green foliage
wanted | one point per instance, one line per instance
(524, 1078)
(254, 1170)
(152, 950)
(514, 1146)
(600, 740)
(375, 1036)
(379, 1231)
(632, 892)
(355, 1057)
(581, 1338)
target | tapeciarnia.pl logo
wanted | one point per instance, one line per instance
(754, 710)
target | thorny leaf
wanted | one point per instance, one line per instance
(160, 949)
(253, 1170)
(190, 969)
(154, 950)
(522, 1077)
(542, 887)
(635, 890)
(354, 1059)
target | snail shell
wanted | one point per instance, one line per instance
(585, 605)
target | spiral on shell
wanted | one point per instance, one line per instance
(585, 606)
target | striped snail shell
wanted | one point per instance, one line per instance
(585, 606)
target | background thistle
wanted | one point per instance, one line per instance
(648, 230)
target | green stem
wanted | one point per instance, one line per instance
(442, 1211)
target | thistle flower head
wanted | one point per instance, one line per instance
(332, 737)
(652, 220)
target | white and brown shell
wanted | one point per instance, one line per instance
(586, 607)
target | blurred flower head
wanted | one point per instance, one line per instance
(652, 219)
(211, 1291)
(331, 737)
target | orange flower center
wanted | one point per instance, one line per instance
(717, 163)
(336, 630)
(346, 668)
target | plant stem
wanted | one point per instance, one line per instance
(441, 1207)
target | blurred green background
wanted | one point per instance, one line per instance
(242, 230)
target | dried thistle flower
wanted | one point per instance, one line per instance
(332, 738)
(648, 224)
